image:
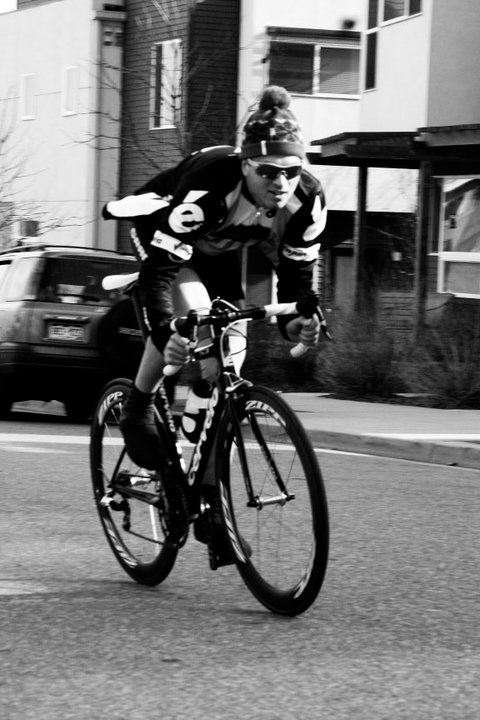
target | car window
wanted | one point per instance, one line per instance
(3, 271)
(77, 280)
(22, 280)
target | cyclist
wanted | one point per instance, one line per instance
(189, 223)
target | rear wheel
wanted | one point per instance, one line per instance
(138, 519)
(278, 531)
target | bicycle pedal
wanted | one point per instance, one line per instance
(194, 505)
(219, 557)
(177, 539)
(109, 502)
(138, 480)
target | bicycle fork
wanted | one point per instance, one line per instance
(258, 501)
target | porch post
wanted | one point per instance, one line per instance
(360, 291)
(421, 248)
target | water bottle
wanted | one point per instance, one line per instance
(196, 409)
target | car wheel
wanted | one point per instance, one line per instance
(79, 409)
(6, 402)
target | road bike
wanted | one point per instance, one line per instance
(252, 487)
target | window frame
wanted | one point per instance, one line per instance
(408, 12)
(334, 43)
(447, 256)
(159, 119)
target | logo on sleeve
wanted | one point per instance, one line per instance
(304, 254)
(188, 216)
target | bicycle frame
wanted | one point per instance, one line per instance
(226, 389)
(261, 459)
(228, 386)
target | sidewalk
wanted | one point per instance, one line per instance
(444, 437)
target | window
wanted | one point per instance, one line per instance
(78, 281)
(70, 91)
(315, 68)
(28, 228)
(4, 265)
(166, 84)
(27, 97)
(378, 11)
(113, 35)
(459, 237)
(371, 61)
(22, 281)
(373, 14)
(400, 8)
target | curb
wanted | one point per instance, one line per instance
(466, 455)
(453, 454)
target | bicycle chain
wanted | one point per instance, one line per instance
(173, 510)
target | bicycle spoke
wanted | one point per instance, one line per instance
(129, 498)
(277, 503)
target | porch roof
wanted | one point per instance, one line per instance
(453, 147)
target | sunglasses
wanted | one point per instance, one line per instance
(269, 171)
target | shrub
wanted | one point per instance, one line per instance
(445, 369)
(361, 362)
(269, 362)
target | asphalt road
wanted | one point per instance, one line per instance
(394, 633)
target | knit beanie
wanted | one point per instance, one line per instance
(272, 129)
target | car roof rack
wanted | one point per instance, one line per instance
(38, 245)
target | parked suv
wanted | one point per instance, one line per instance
(62, 336)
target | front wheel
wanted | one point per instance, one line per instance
(273, 501)
(132, 504)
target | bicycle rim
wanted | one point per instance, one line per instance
(134, 529)
(281, 539)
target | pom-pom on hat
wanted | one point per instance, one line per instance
(272, 129)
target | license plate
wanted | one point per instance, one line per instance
(72, 333)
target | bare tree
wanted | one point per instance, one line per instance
(169, 84)
(20, 216)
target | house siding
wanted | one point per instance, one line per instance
(145, 151)
(52, 149)
(209, 35)
(212, 92)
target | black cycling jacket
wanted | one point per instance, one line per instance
(203, 202)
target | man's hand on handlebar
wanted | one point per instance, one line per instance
(176, 350)
(303, 330)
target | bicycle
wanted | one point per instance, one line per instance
(268, 507)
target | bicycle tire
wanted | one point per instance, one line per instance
(281, 550)
(150, 561)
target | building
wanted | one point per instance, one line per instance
(419, 113)
(312, 49)
(179, 85)
(59, 116)
(129, 87)
(193, 72)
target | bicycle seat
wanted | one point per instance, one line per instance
(119, 282)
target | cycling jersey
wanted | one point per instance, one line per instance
(203, 204)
